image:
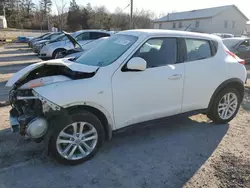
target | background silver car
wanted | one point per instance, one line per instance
(52, 50)
(47, 37)
(38, 45)
(77, 52)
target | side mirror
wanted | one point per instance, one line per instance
(243, 48)
(136, 64)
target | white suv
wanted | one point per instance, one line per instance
(133, 76)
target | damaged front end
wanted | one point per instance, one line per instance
(31, 112)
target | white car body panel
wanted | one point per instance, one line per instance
(132, 97)
(44, 81)
(198, 75)
(95, 91)
(73, 66)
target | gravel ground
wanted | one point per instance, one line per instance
(181, 151)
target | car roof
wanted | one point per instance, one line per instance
(236, 38)
(93, 30)
(153, 32)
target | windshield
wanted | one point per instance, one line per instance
(231, 43)
(107, 51)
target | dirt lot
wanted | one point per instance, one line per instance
(14, 33)
(182, 151)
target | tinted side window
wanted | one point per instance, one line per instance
(197, 49)
(214, 47)
(97, 35)
(158, 52)
(83, 36)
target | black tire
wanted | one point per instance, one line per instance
(213, 113)
(76, 116)
(55, 53)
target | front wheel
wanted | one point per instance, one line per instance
(225, 106)
(78, 140)
(57, 53)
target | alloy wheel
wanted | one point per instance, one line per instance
(227, 106)
(77, 140)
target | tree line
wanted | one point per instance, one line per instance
(25, 14)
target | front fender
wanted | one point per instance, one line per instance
(80, 92)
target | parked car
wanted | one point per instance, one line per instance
(38, 45)
(51, 51)
(240, 46)
(37, 38)
(46, 37)
(224, 35)
(76, 105)
(78, 51)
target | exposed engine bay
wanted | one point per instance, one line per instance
(30, 112)
(52, 70)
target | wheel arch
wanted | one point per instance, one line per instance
(56, 50)
(101, 113)
(232, 82)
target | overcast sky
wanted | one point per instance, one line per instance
(165, 6)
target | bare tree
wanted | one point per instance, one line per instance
(61, 13)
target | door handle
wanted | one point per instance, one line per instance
(175, 77)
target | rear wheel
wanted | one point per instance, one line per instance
(225, 106)
(78, 140)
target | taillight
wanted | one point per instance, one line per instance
(241, 61)
(231, 54)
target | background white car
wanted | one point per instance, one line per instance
(75, 105)
(51, 50)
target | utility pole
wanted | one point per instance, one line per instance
(131, 15)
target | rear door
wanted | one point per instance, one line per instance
(203, 73)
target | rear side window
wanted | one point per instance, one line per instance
(158, 52)
(83, 36)
(214, 47)
(197, 49)
(97, 35)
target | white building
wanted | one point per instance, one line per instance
(224, 19)
(3, 22)
(248, 29)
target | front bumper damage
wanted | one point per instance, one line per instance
(33, 123)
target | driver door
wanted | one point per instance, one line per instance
(153, 93)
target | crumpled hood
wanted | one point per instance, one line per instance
(60, 62)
